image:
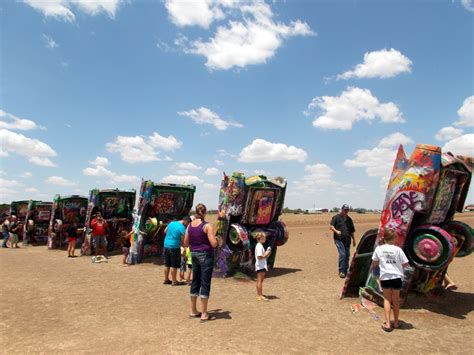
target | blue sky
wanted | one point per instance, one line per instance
(103, 93)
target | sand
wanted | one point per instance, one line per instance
(52, 303)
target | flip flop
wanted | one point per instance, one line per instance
(167, 282)
(197, 315)
(451, 287)
(385, 329)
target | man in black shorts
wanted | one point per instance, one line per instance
(173, 240)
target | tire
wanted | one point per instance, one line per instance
(463, 234)
(430, 248)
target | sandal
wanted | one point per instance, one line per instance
(385, 329)
(209, 318)
(177, 283)
(197, 315)
(167, 282)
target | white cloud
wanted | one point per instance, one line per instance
(100, 161)
(36, 151)
(252, 40)
(262, 151)
(448, 133)
(26, 175)
(380, 64)
(50, 43)
(193, 13)
(354, 104)
(209, 186)
(142, 149)
(133, 149)
(187, 166)
(58, 180)
(463, 145)
(466, 113)
(165, 143)
(15, 122)
(211, 171)
(205, 116)
(182, 179)
(468, 5)
(32, 190)
(8, 187)
(378, 161)
(62, 9)
(101, 171)
(219, 162)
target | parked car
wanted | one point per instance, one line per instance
(38, 214)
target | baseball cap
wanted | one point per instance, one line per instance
(345, 206)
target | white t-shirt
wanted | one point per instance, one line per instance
(260, 263)
(390, 258)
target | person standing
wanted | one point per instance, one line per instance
(14, 229)
(5, 232)
(174, 234)
(99, 232)
(71, 232)
(201, 239)
(343, 232)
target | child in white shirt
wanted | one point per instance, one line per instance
(261, 264)
(391, 260)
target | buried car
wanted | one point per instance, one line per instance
(158, 205)
(248, 206)
(66, 210)
(35, 230)
(116, 207)
(423, 194)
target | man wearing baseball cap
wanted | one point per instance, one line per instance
(343, 231)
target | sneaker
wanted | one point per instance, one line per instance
(342, 275)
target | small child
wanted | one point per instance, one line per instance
(126, 246)
(182, 269)
(392, 260)
(261, 264)
(189, 264)
(71, 232)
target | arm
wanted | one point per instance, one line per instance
(332, 228)
(265, 255)
(211, 235)
(186, 239)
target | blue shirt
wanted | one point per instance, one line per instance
(174, 233)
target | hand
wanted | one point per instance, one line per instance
(353, 242)
(338, 233)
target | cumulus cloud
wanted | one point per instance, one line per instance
(182, 179)
(50, 43)
(187, 166)
(99, 170)
(36, 151)
(10, 121)
(378, 161)
(463, 145)
(211, 171)
(468, 5)
(62, 9)
(262, 151)
(466, 113)
(385, 63)
(58, 180)
(194, 13)
(252, 39)
(26, 175)
(447, 133)
(8, 187)
(353, 105)
(205, 116)
(165, 143)
(142, 149)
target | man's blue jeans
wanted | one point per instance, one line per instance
(203, 264)
(5, 235)
(344, 253)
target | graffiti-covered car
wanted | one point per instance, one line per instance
(66, 210)
(4, 211)
(35, 230)
(248, 206)
(423, 194)
(158, 204)
(20, 210)
(116, 207)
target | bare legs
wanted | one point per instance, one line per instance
(391, 298)
(174, 272)
(71, 247)
(194, 311)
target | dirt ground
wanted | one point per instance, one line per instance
(51, 303)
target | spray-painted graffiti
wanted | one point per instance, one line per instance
(423, 194)
(247, 206)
